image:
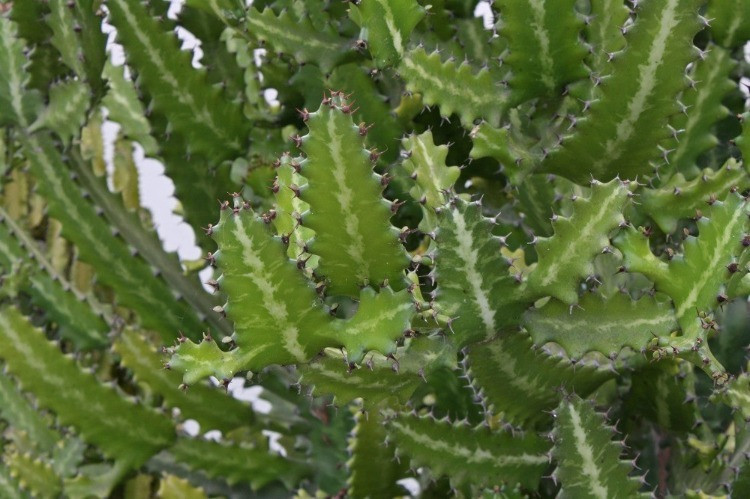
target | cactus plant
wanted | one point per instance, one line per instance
(503, 257)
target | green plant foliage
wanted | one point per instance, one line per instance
(592, 466)
(545, 50)
(621, 131)
(426, 236)
(471, 455)
(341, 186)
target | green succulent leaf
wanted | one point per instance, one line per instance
(567, 256)
(523, 384)
(498, 143)
(387, 25)
(66, 112)
(212, 124)
(33, 474)
(299, 38)
(662, 393)
(694, 128)
(76, 320)
(470, 455)
(476, 284)
(604, 31)
(172, 487)
(730, 22)
(212, 408)
(545, 51)
(426, 165)
(695, 278)
(373, 467)
(365, 248)
(19, 105)
(9, 487)
(124, 108)
(133, 280)
(589, 463)
(21, 415)
(233, 463)
(121, 429)
(373, 382)
(454, 88)
(600, 325)
(620, 133)
(681, 199)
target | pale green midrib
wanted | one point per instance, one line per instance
(647, 82)
(710, 269)
(477, 454)
(540, 33)
(460, 93)
(391, 26)
(470, 257)
(168, 77)
(149, 247)
(588, 467)
(291, 36)
(345, 197)
(14, 78)
(273, 306)
(108, 418)
(582, 241)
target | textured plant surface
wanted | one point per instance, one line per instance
(506, 262)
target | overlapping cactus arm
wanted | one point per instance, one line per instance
(121, 429)
(299, 38)
(381, 319)
(589, 463)
(621, 132)
(211, 408)
(18, 412)
(254, 465)
(212, 125)
(289, 208)
(693, 128)
(694, 279)
(124, 108)
(71, 311)
(498, 143)
(363, 248)
(133, 281)
(426, 166)
(33, 474)
(61, 21)
(66, 112)
(172, 487)
(736, 394)
(146, 243)
(567, 256)
(730, 22)
(387, 25)
(545, 52)
(454, 88)
(275, 310)
(373, 467)
(374, 382)
(477, 287)
(469, 455)
(662, 394)
(18, 106)
(680, 199)
(522, 384)
(605, 326)
(9, 487)
(604, 31)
